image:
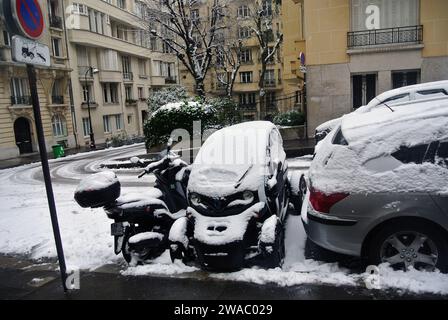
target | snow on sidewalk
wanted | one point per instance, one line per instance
(25, 228)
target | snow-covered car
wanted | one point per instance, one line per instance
(238, 199)
(378, 187)
(402, 96)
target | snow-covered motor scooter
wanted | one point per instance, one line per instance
(141, 221)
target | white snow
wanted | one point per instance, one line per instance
(375, 135)
(25, 228)
(205, 229)
(268, 229)
(178, 232)
(145, 236)
(97, 181)
(232, 159)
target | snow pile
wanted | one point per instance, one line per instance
(145, 236)
(160, 266)
(372, 137)
(97, 181)
(223, 230)
(178, 232)
(268, 230)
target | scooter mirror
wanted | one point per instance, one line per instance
(135, 160)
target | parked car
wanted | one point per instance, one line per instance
(238, 199)
(378, 187)
(403, 95)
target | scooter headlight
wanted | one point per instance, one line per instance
(195, 199)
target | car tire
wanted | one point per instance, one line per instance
(411, 248)
(275, 258)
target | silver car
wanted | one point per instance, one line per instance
(378, 188)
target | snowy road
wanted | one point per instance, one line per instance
(25, 229)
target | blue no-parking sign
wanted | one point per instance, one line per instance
(28, 17)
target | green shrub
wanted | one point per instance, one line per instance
(290, 118)
(214, 113)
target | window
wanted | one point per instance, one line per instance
(6, 38)
(59, 126)
(80, 9)
(128, 92)
(57, 95)
(243, 12)
(194, 15)
(363, 89)
(56, 42)
(129, 118)
(118, 121)
(398, 98)
(121, 4)
(20, 93)
(86, 126)
(434, 152)
(269, 77)
(140, 93)
(142, 67)
(109, 60)
(110, 91)
(405, 78)
(267, 7)
(247, 99)
(272, 58)
(83, 56)
(87, 93)
(246, 56)
(246, 77)
(271, 100)
(106, 124)
(244, 32)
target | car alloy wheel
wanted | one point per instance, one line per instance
(410, 249)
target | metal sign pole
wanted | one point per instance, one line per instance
(46, 172)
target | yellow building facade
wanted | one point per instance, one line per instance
(357, 49)
(284, 82)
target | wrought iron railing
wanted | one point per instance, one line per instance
(26, 100)
(56, 22)
(412, 34)
(128, 76)
(57, 99)
(170, 80)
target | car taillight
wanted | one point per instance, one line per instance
(322, 202)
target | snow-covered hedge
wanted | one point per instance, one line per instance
(290, 118)
(215, 113)
(166, 95)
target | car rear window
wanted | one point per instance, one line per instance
(434, 152)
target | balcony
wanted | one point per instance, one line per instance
(269, 83)
(250, 107)
(128, 76)
(57, 99)
(21, 100)
(170, 80)
(379, 37)
(56, 22)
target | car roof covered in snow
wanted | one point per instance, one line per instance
(366, 164)
(232, 159)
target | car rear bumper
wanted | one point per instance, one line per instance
(333, 233)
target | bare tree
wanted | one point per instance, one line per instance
(228, 62)
(269, 40)
(188, 34)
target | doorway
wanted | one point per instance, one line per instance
(22, 132)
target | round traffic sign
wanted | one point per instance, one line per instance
(29, 17)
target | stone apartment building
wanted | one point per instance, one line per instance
(112, 37)
(107, 36)
(283, 80)
(357, 49)
(17, 130)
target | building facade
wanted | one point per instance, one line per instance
(357, 49)
(111, 38)
(17, 129)
(283, 80)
